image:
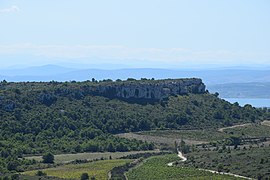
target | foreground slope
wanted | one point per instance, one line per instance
(156, 168)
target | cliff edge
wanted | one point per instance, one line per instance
(150, 89)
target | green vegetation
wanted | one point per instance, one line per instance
(97, 169)
(40, 173)
(242, 149)
(66, 158)
(156, 168)
(37, 118)
(250, 131)
(84, 176)
(26, 177)
(196, 135)
(48, 158)
(119, 172)
(245, 132)
(248, 161)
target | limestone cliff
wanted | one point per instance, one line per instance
(151, 89)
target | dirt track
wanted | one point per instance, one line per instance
(235, 126)
(265, 123)
(158, 139)
(181, 156)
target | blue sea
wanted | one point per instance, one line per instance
(253, 102)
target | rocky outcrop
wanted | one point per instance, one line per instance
(151, 89)
(141, 91)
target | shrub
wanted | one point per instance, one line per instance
(48, 158)
(40, 173)
(15, 177)
(85, 176)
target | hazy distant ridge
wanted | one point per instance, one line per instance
(59, 73)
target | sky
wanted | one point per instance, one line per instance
(136, 33)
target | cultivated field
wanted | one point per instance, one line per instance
(65, 158)
(97, 169)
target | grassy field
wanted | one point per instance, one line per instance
(251, 131)
(251, 162)
(195, 135)
(200, 136)
(168, 137)
(98, 169)
(156, 168)
(65, 158)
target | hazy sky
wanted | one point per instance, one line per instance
(141, 32)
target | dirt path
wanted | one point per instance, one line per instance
(224, 173)
(109, 175)
(235, 126)
(265, 123)
(181, 156)
(183, 159)
(159, 139)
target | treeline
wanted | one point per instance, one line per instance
(13, 150)
(65, 118)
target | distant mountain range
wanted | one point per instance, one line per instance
(228, 82)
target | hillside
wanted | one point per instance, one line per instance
(79, 117)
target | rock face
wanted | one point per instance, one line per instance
(151, 89)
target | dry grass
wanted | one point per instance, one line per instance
(65, 158)
(235, 126)
(167, 137)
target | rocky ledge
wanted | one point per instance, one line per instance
(151, 89)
